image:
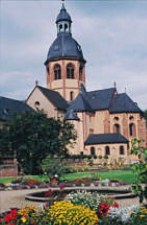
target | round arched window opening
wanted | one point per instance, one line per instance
(71, 95)
(132, 129)
(57, 72)
(131, 118)
(70, 71)
(48, 70)
(37, 104)
(116, 128)
(60, 27)
(92, 150)
(121, 150)
(116, 118)
(65, 27)
(107, 150)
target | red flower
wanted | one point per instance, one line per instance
(48, 193)
(103, 208)
(12, 215)
(115, 205)
(11, 223)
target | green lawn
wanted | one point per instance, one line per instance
(123, 175)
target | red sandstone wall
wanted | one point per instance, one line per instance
(10, 170)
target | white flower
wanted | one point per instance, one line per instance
(123, 214)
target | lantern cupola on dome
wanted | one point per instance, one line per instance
(64, 46)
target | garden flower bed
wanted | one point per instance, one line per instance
(68, 213)
(80, 182)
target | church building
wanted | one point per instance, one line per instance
(105, 120)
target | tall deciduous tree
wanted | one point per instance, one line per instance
(33, 137)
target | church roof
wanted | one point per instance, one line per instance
(71, 115)
(100, 99)
(63, 15)
(94, 139)
(123, 103)
(107, 99)
(10, 107)
(81, 104)
(55, 98)
(64, 46)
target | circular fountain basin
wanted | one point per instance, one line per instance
(58, 194)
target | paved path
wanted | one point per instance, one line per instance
(16, 198)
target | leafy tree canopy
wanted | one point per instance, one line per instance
(33, 136)
(140, 169)
(53, 165)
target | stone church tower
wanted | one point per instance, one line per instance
(65, 64)
(106, 121)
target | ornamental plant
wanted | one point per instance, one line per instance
(84, 198)
(140, 217)
(27, 215)
(118, 215)
(140, 169)
(103, 209)
(88, 199)
(66, 213)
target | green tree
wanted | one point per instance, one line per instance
(140, 169)
(33, 137)
(53, 165)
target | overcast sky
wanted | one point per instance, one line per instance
(112, 34)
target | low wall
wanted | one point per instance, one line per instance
(8, 170)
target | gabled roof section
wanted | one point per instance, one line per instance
(71, 115)
(95, 139)
(55, 98)
(123, 103)
(10, 107)
(101, 99)
(80, 104)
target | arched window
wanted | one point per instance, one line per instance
(71, 95)
(80, 76)
(107, 150)
(60, 27)
(116, 128)
(132, 129)
(81, 73)
(91, 131)
(121, 150)
(131, 118)
(116, 118)
(57, 72)
(65, 27)
(37, 104)
(48, 70)
(92, 150)
(70, 71)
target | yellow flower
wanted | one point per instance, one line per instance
(68, 213)
(141, 216)
(23, 219)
